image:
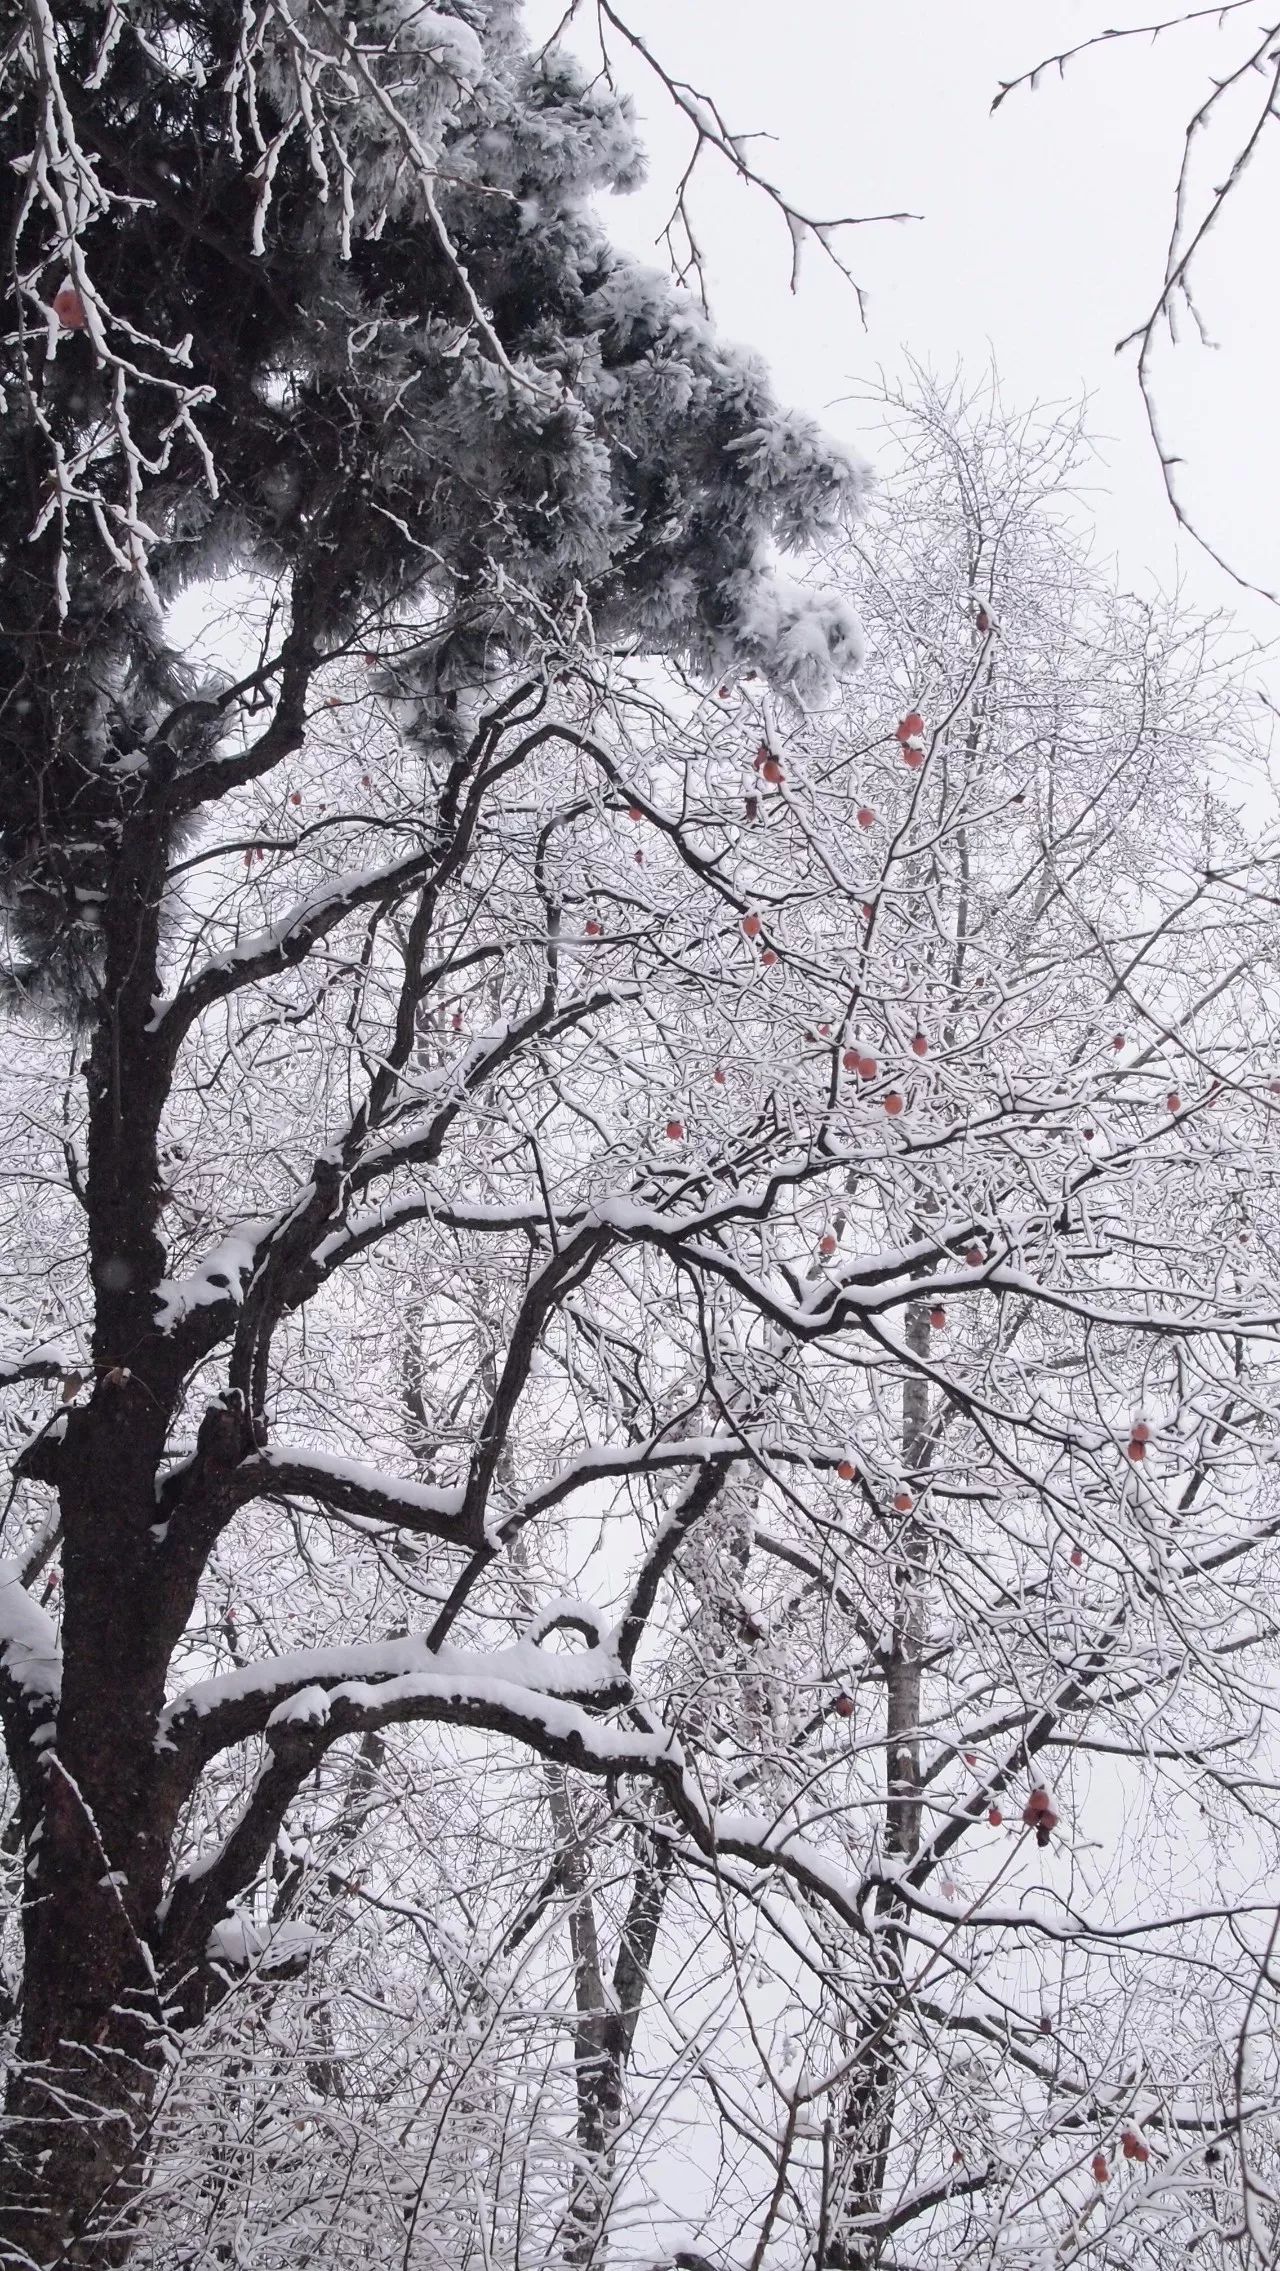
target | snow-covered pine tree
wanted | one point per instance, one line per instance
(323, 295)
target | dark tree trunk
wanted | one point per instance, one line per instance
(91, 2026)
(96, 1821)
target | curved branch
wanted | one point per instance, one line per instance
(700, 1496)
(350, 1487)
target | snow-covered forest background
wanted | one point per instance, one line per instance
(641, 1206)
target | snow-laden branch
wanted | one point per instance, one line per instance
(30, 1669)
(525, 1676)
(303, 1704)
(264, 953)
(29, 1649)
(364, 1229)
(616, 1462)
(44, 1362)
(221, 1276)
(352, 1487)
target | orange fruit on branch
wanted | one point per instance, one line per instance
(70, 309)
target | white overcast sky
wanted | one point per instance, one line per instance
(1041, 236)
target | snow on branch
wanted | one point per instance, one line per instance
(221, 1276)
(351, 1487)
(30, 1668)
(63, 193)
(267, 952)
(44, 1362)
(28, 1639)
(606, 1462)
(297, 1688)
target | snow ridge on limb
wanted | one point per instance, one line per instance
(219, 1711)
(30, 1675)
(491, 1695)
(548, 1702)
(44, 1362)
(264, 953)
(220, 1279)
(353, 1487)
(29, 1651)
